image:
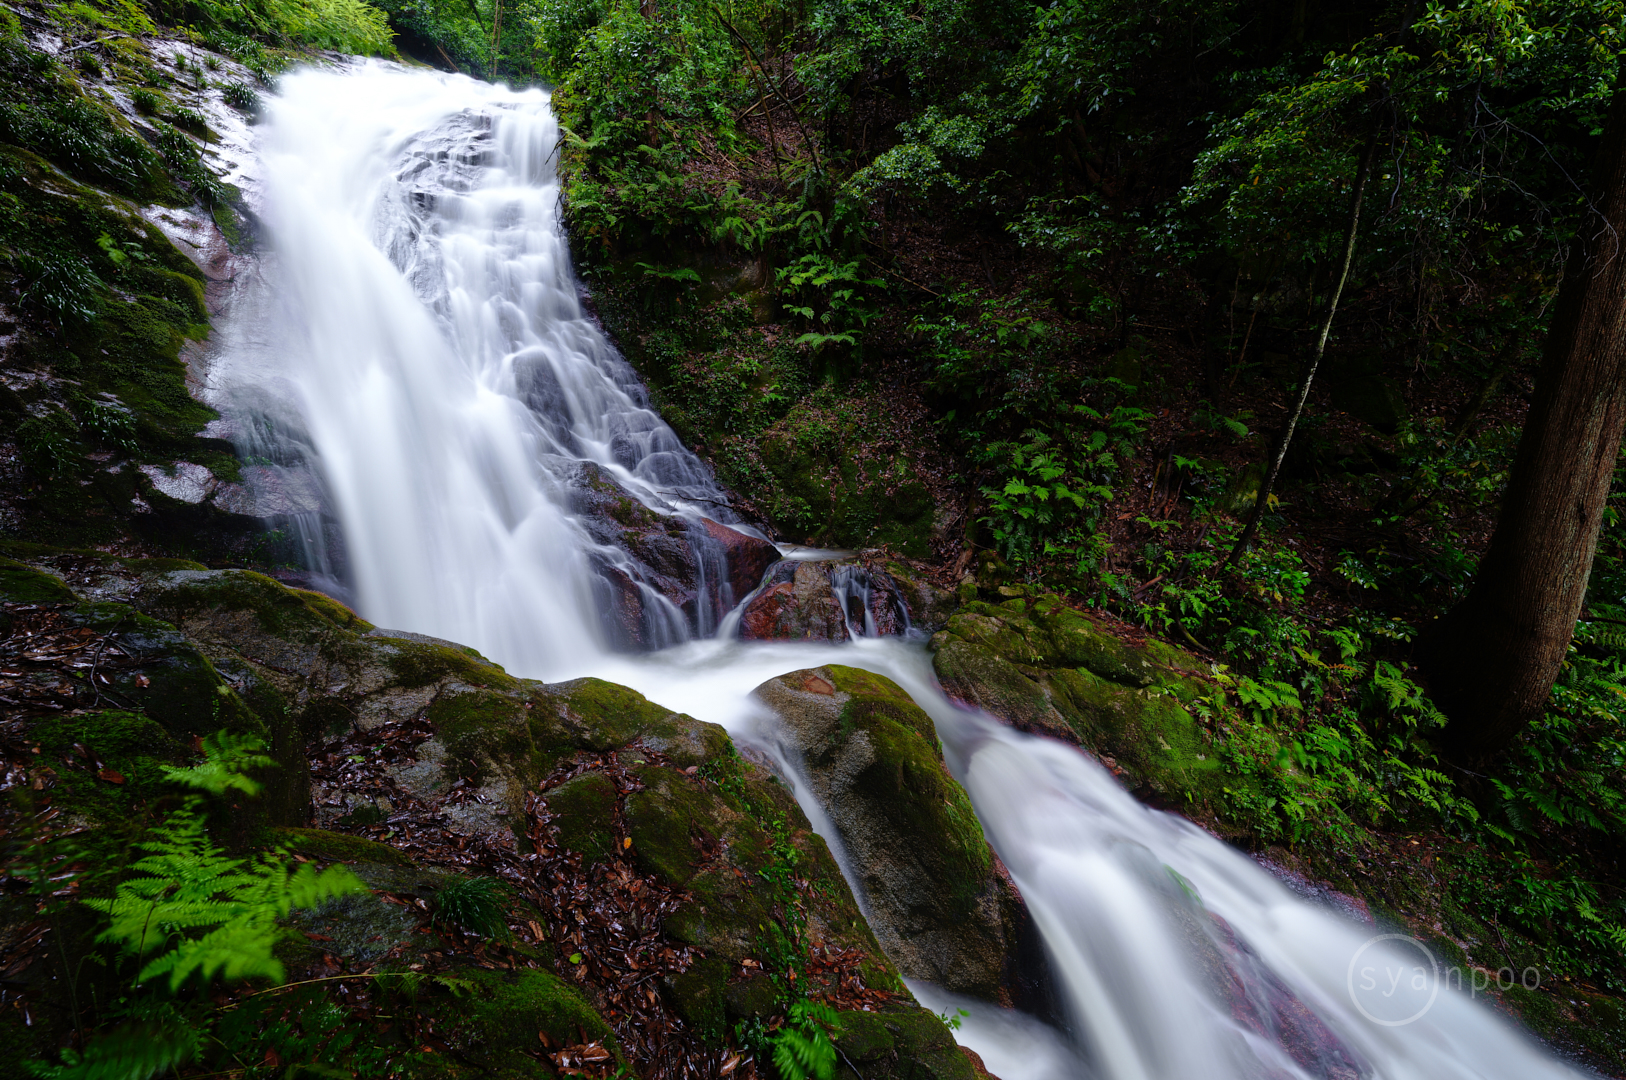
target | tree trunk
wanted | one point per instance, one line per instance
(1491, 661)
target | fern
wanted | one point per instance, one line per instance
(186, 884)
(227, 759)
(803, 1050)
(133, 1052)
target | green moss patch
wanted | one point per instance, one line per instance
(337, 847)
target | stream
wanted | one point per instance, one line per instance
(414, 346)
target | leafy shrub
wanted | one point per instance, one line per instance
(49, 441)
(188, 120)
(62, 287)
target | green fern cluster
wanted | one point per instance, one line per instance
(189, 913)
(804, 1049)
(184, 884)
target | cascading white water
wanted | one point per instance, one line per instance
(449, 387)
(455, 392)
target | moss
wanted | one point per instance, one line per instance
(498, 1020)
(602, 715)
(662, 820)
(483, 729)
(755, 998)
(132, 746)
(20, 584)
(290, 614)
(906, 1043)
(333, 611)
(929, 816)
(419, 663)
(824, 493)
(700, 996)
(874, 697)
(585, 812)
(337, 847)
(978, 675)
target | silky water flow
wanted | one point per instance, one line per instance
(413, 339)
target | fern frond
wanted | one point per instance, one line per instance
(185, 884)
(227, 761)
(239, 950)
(136, 1052)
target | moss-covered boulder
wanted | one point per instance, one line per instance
(110, 694)
(938, 904)
(417, 762)
(1045, 667)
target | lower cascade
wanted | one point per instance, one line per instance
(479, 464)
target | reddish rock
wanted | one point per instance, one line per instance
(796, 605)
(748, 557)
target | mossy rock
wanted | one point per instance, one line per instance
(22, 584)
(600, 716)
(133, 747)
(495, 1024)
(700, 996)
(898, 1044)
(874, 764)
(978, 676)
(280, 612)
(585, 811)
(337, 847)
(1042, 666)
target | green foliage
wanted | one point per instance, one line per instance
(241, 96)
(184, 884)
(132, 1052)
(804, 1048)
(228, 759)
(473, 905)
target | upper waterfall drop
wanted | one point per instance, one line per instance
(464, 411)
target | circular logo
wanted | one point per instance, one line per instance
(1393, 984)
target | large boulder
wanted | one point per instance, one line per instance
(939, 902)
(660, 889)
(1044, 667)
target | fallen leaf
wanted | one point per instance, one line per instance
(627, 843)
(110, 776)
(143, 682)
(730, 1065)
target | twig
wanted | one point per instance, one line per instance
(368, 974)
(780, 94)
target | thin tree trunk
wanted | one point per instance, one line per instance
(1491, 661)
(1252, 527)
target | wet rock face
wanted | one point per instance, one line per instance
(938, 902)
(825, 601)
(421, 761)
(661, 577)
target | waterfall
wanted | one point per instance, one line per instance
(414, 339)
(422, 345)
